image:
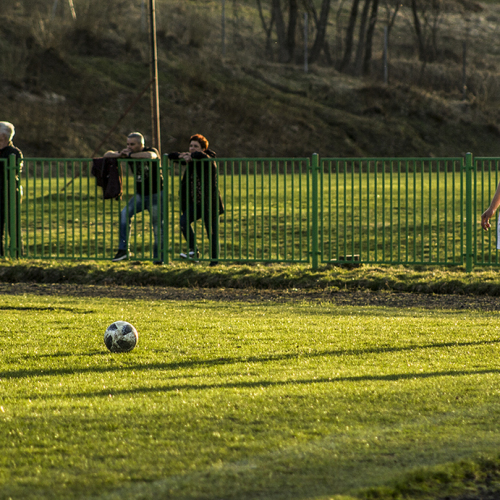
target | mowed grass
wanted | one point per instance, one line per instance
(239, 400)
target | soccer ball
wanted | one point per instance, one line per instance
(121, 336)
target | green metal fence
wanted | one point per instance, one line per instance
(415, 211)
(266, 210)
(392, 210)
(63, 213)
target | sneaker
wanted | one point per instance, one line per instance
(192, 255)
(120, 255)
(213, 263)
(158, 262)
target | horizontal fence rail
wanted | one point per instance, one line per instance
(412, 211)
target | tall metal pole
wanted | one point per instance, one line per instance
(155, 100)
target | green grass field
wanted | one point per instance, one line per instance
(239, 401)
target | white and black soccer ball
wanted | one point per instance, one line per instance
(121, 336)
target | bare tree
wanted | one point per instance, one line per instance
(426, 19)
(285, 19)
(321, 23)
(293, 16)
(268, 28)
(280, 30)
(422, 55)
(349, 38)
(366, 30)
(286, 35)
(361, 37)
(369, 37)
(391, 15)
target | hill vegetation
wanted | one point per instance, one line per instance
(70, 80)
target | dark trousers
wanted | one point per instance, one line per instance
(211, 226)
(14, 231)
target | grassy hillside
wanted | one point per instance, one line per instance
(67, 83)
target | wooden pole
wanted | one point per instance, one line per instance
(155, 101)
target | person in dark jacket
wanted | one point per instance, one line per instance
(148, 192)
(7, 149)
(199, 196)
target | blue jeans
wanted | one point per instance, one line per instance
(136, 205)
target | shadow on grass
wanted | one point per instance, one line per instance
(266, 383)
(45, 308)
(227, 361)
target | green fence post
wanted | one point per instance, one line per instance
(468, 212)
(12, 206)
(314, 209)
(164, 210)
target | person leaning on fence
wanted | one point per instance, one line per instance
(7, 149)
(490, 212)
(202, 201)
(148, 192)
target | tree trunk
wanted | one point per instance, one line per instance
(267, 29)
(349, 36)
(293, 16)
(361, 38)
(392, 17)
(283, 55)
(418, 32)
(369, 38)
(321, 24)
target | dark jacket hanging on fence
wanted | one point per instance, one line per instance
(207, 185)
(108, 176)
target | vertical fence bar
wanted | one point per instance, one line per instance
(438, 211)
(414, 168)
(407, 210)
(12, 228)
(367, 211)
(292, 214)
(285, 208)
(262, 213)
(277, 194)
(35, 208)
(314, 210)
(468, 211)
(26, 212)
(164, 215)
(399, 211)
(375, 214)
(247, 232)
(326, 209)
